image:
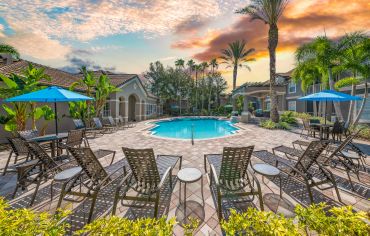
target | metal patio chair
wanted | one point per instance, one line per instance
(93, 177)
(307, 163)
(75, 138)
(230, 173)
(127, 124)
(38, 170)
(88, 132)
(147, 176)
(110, 122)
(103, 128)
(18, 149)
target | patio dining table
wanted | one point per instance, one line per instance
(53, 139)
(324, 129)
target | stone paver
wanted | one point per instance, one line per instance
(139, 137)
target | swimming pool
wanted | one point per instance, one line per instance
(199, 128)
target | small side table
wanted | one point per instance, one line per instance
(64, 176)
(187, 176)
(268, 171)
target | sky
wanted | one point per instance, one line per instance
(126, 35)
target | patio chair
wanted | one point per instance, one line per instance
(89, 132)
(75, 138)
(307, 164)
(306, 127)
(38, 170)
(127, 124)
(110, 122)
(147, 176)
(103, 128)
(96, 177)
(230, 173)
(18, 149)
(33, 133)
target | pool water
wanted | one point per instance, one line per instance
(203, 128)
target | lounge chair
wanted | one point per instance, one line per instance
(18, 149)
(303, 168)
(229, 171)
(147, 176)
(96, 177)
(38, 170)
(109, 121)
(104, 129)
(89, 132)
(124, 123)
(75, 138)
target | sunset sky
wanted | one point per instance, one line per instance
(126, 35)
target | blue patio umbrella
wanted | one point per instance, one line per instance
(331, 96)
(51, 94)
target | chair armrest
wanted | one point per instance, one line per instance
(123, 181)
(255, 180)
(164, 177)
(214, 173)
(294, 169)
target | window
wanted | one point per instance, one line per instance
(106, 110)
(292, 87)
(292, 105)
(268, 106)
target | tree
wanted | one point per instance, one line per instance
(237, 55)
(4, 48)
(269, 11)
(190, 65)
(213, 64)
(19, 112)
(180, 63)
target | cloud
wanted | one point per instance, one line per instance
(37, 45)
(75, 63)
(191, 25)
(86, 20)
(302, 21)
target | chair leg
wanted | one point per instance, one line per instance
(115, 202)
(156, 205)
(92, 207)
(309, 193)
(35, 193)
(350, 181)
(15, 191)
(7, 162)
(62, 194)
(219, 205)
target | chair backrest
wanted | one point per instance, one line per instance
(234, 165)
(79, 124)
(38, 152)
(18, 146)
(111, 121)
(121, 120)
(306, 124)
(28, 134)
(89, 163)
(310, 155)
(338, 127)
(75, 138)
(97, 122)
(144, 167)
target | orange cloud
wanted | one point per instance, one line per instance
(302, 21)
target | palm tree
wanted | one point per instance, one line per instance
(236, 55)
(180, 63)
(4, 48)
(324, 54)
(214, 65)
(191, 64)
(197, 69)
(269, 11)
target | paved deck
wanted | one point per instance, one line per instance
(137, 137)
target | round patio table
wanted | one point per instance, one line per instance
(267, 170)
(187, 176)
(64, 176)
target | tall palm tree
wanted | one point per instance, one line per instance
(204, 65)
(269, 11)
(180, 63)
(213, 64)
(237, 55)
(191, 64)
(4, 48)
(197, 69)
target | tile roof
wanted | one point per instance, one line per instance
(115, 78)
(59, 77)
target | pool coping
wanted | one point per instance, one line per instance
(146, 131)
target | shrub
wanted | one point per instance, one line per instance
(255, 222)
(122, 226)
(303, 116)
(27, 222)
(269, 124)
(338, 221)
(364, 131)
(288, 117)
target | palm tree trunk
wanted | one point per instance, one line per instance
(196, 89)
(351, 105)
(366, 92)
(235, 74)
(337, 109)
(272, 44)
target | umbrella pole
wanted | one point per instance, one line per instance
(326, 108)
(56, 118)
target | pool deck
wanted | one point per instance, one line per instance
(193, 156)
